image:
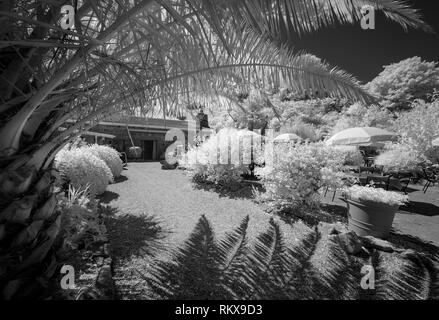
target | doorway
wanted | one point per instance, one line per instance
(148, 150)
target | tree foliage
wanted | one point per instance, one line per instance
(420, 126)
(360, 115)
(399, 84)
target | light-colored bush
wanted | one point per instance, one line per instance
(418, 128)
(306, 131)
(399, 157)
(223, 157)
(401, 83)
(110, 156)
(359, 115)
(359, 193)
(432, 155)
(80, 168)
(351, 155)
(297, 175)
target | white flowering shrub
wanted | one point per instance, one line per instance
(299, 172)
(351, 155)
(401, 83)
(223, 157)
(399, 157)
(420, 126)
(110, 156)
(360, 115)
(304, 130)
(432, 155)
(360, 193)
(80, 168)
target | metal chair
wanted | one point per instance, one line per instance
(123, 157)
(366, 159)
(379, 169)
(333, 196)
(404, 178)
(431, 178)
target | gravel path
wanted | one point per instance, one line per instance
(154, 210)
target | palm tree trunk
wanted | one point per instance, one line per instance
(29, 221)
(29, 225)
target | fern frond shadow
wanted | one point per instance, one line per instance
(237, 267)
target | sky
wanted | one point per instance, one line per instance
(363, 53)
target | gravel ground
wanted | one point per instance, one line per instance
(152, 211)
(155, 210)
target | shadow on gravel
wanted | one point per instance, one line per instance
(120, 179)
(108, 196)
(421, 208)
(242, 191)
(411, 242)
(133, 235)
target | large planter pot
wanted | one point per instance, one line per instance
(368, 218)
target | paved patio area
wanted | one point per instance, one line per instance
(153, 211)
(419, 219)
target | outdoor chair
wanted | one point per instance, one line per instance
(366, 170)
(366, 158)
(404, 178)
(379, 170)
(431, 178)
(368, 161)
(123, 157)
(333, 196)
(379, 181)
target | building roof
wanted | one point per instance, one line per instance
(145, 123)
(98, 134)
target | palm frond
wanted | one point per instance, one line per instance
(412, 281)
(279, 20)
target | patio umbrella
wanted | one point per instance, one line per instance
(366, 136)
(435, 142)
(250, 134)
(287, 137)
(345, 148)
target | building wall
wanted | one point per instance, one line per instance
(139, 135)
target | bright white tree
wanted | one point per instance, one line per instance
(399, 84)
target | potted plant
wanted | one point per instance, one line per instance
(135, 152)
(371, 210)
